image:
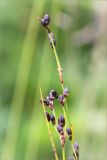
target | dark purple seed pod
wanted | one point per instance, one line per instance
(61, 121)
(52, 119)
(69, 132)
(59, 129)
(53, 93)
(65, 92)
(50, 98)
(45, 101)
(47, 116)
(43, 22)
(51, 38)
(51, 105)
(76, 148)
(61, 100)
(47, 19)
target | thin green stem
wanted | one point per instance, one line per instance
(63, 153)
(65, 110)
(49, 131)
(58, 63)
(61, 77)
(72, 134)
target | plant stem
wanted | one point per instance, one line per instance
(49, 131)
(61, 78)
(63, 153)
(62, 86)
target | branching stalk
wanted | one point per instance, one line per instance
(49, 131)
(62, 85)
(63, 149)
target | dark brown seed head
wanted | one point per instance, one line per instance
(51, 105)
(50, 98)
(68, 130)
(47, 19)
(52, 119)
(59, 129)
(43, 22)
(47, 116)
(53, 93)
(61, 121)
(61, 100)
(76, 148)
(45, 101)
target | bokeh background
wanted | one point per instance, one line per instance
(27, 61)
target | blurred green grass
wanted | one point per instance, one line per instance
(27, 62)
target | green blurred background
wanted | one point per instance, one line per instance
(27, 61)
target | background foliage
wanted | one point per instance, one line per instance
(80, 28)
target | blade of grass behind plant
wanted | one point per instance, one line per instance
(33, 145)
(19, 92)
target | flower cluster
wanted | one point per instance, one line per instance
(45, 21)
(50, 118)
(60, 123)
(60, 129)
(49, 100)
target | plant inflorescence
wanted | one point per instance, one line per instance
(62, 124)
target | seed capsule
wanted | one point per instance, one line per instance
(61, 121)
(65, 92)
(51, 38)
(53, 93)
(50, 98)
(47, 116)
(43, 22)
(45, 101)
(52, 119)
(47, 19)
(61, 100)
(50, 102)
(69, 132)
(59, 129)
(51, 105)
(76, 148)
